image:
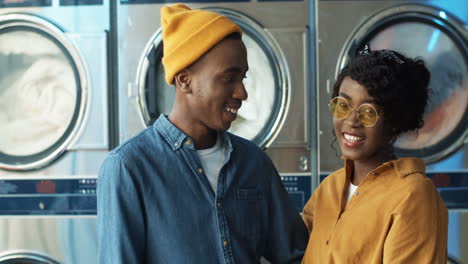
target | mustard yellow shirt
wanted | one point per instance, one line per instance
(395, 216)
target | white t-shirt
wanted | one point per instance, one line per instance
(212, 160)
(351, 189)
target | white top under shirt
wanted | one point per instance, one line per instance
(212, 160)
(351, 189)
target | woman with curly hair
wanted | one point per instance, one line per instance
(378, 208)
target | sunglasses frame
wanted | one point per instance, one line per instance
(355, 110)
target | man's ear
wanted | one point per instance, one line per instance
(182, 81)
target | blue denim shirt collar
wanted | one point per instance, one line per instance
(226, 142)
(173, 136)
(176, 138)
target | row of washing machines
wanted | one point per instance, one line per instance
(78, 77)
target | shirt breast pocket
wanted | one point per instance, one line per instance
(248, 211)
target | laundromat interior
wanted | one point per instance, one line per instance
(80, 77)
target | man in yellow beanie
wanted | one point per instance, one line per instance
(184, 190)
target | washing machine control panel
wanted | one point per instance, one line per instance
(34, 3)
(80, 2)
(452, 187)
(48, 196)
(25, 3)
(298, 187)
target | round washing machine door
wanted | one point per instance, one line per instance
(26, 258)
(43, 92)
(420, 31)
(268, 83)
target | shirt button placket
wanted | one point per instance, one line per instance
(224, 234)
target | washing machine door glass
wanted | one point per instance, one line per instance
(446, 114)
(261, 115)
(256, 111)
(39, 95)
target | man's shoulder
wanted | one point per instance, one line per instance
(146, 138)
(131, 154)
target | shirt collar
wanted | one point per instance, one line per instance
(403, 166)
(173, 136)
(407, 166)
(226, 141)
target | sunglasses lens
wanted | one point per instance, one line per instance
(367, 115)
(339, 107)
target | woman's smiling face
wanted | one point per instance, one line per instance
(356, 141)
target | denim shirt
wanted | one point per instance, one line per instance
(156, 205)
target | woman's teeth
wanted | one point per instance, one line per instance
(232, 110)
(353, 138)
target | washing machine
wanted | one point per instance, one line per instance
(275, 116)
(55, 127)
(436, 31)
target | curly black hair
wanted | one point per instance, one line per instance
(398, 84)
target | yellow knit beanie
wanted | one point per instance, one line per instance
(188, 34)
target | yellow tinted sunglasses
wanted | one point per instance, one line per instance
(367, 114)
